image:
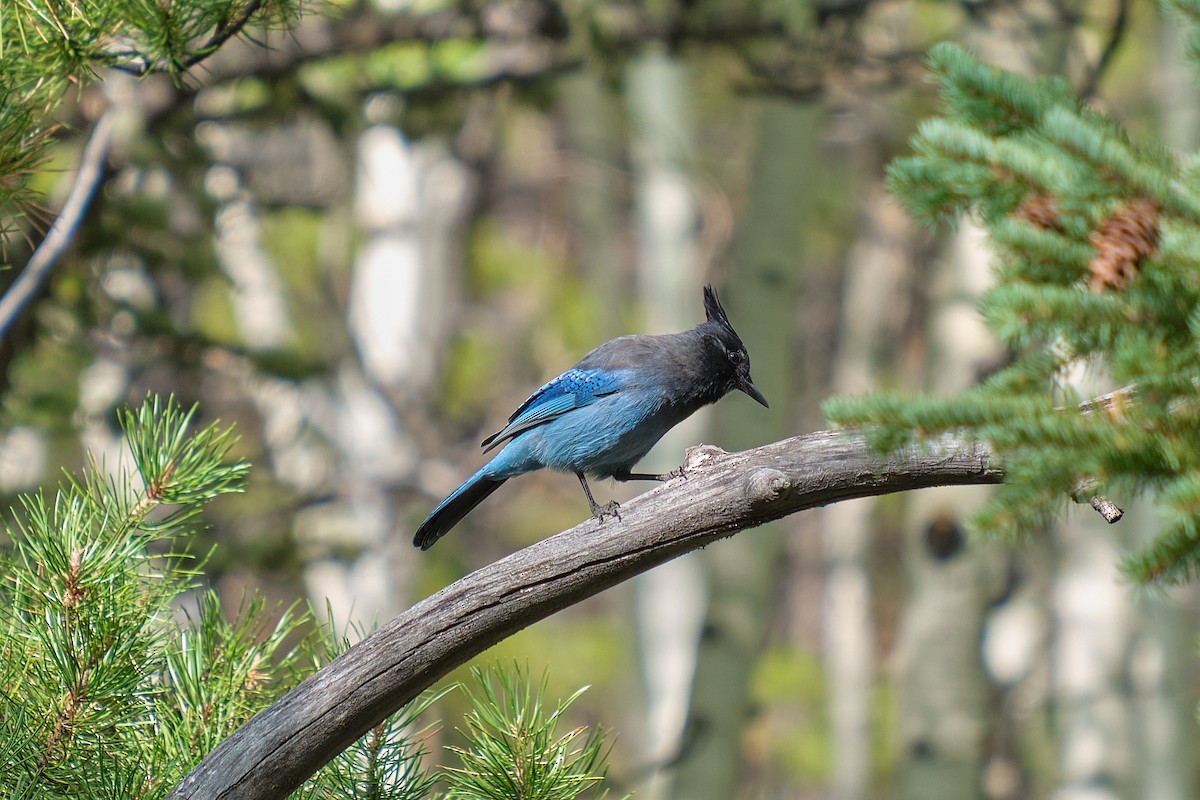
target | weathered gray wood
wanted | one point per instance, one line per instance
(275, 751)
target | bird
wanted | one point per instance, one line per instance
(601, 416)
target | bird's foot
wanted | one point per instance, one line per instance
(662, 477)
(610, 509)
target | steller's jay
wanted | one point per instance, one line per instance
(601, 416)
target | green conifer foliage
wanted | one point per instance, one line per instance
(48, 49)
(516, 751)
(1097, 258)
(106, 689)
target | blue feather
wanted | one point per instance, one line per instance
(573, 389)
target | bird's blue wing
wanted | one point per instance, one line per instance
(573, 389)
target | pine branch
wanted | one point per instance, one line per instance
(133, 64)
(100, 689)
(723, 493)
(515, 750)
(1096, 235)
(50, 49)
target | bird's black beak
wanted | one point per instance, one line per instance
(747, 386)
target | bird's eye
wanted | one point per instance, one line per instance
(737, 356)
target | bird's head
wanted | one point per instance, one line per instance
(725, 348)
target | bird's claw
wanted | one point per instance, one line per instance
(610, 509)
(678, 472)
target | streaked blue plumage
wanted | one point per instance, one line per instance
(574, 389)
(600, 417)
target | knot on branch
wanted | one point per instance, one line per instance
(766, 484)
(701, 454)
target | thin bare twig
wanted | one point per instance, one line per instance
(1115, 36)
(62, 232)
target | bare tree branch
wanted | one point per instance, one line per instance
(58, 239)
(277, 750)
(1115, 36)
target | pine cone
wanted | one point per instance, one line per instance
(1040, 211)
(1121, 242)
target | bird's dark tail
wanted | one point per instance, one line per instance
(450, 511)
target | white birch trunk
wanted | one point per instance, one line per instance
(1165, 733)
(1092, 623)
(942, 688)
(878, 273)
(409, 203)
(669, 601)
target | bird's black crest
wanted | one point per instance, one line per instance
(716, 313)
(712, 306)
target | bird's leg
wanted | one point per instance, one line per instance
(609, 509)
(648, 476)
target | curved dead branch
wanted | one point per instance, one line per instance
(723, 493)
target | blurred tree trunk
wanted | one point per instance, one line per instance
(943, 691)
(1124, 720)
(592, 116)
(371, 447)
(876, 306)
(1162, 657)
(1093, 620)
(946, 699)
(1164, 721)
(878, 275)
(668, 600)
(410, 203)
(744, 574)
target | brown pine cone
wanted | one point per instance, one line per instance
(1121, 243)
